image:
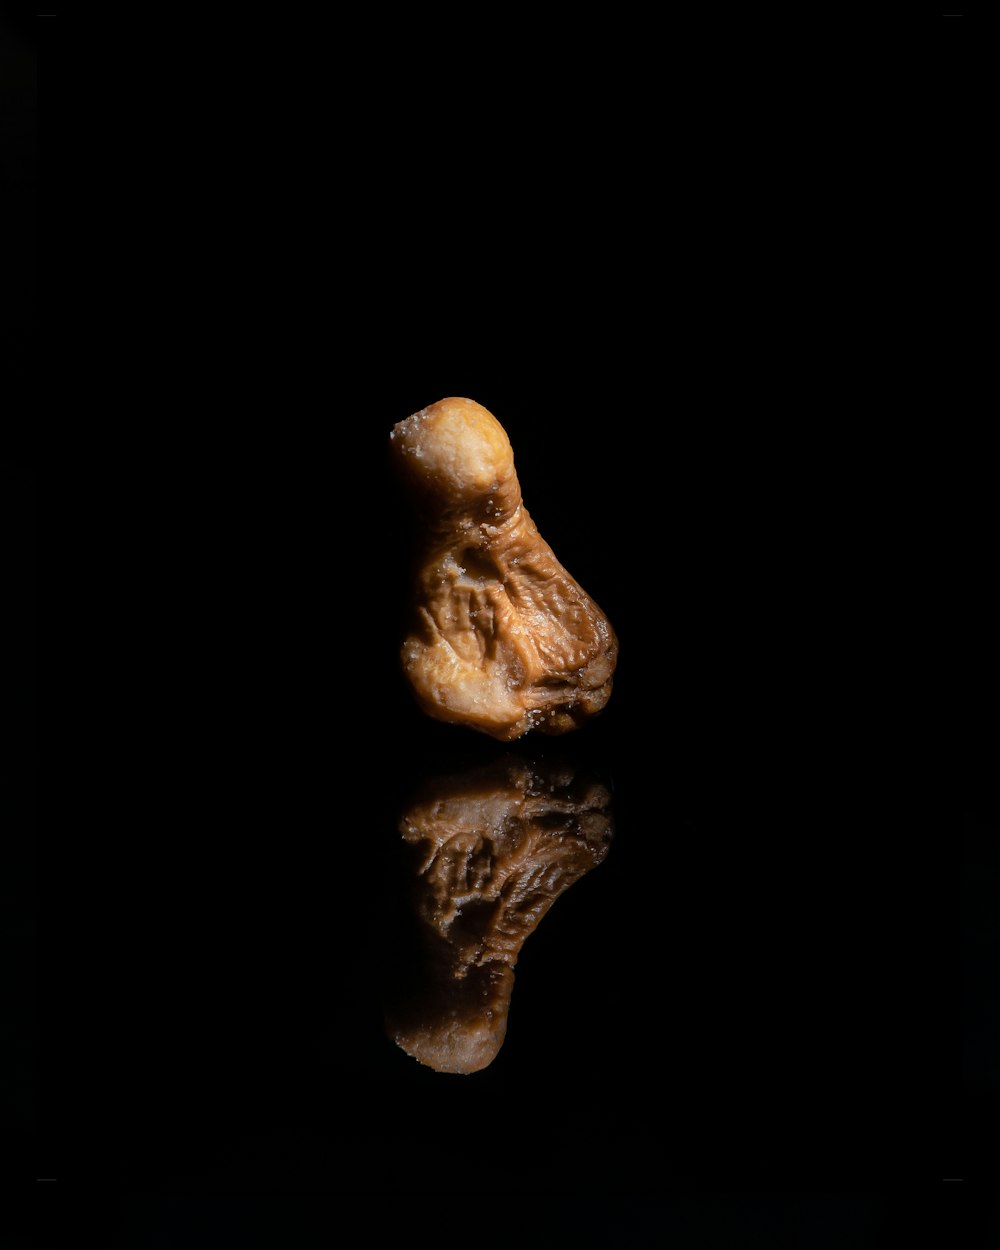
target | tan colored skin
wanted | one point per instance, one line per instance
(504, 640)
(493, 848)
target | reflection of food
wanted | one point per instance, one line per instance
(493, 850)
(504, 640)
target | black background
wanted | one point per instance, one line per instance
(20, 1093)
(18, 195)
(703, 350)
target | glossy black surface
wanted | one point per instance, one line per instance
(759, 989)
(754, 988)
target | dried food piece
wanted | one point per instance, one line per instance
(492, 849)
(503, 639)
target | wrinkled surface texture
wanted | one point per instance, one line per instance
(492, 850)
(503, 640)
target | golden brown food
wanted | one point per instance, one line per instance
(503, 640)
(492, 849)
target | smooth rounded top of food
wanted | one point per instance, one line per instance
(455, 448)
